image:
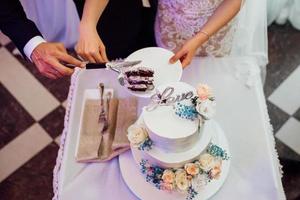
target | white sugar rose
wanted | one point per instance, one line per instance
(206, 108)
(136, 135)
(206, 162)
(204, 92)
(181, 180)
(168, 176)
(191, 169)
(199, 181)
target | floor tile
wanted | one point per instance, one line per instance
(57, 140)
(284, 55)
(53, 123)
(286, 152)
(4, 39)
(33, 96)
(22, 148)
(16, 52)
(291, 178)
(13, 49)
(289, 134)
(10, 46)
(59, 88)
(65, 103)
(277, 116)
(14, 119)
(297, 114)
(287, 95)
(33, 181)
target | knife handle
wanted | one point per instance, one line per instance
(95, 65)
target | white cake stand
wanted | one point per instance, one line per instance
(136, 181)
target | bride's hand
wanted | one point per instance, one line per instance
(187, 51)
(90, 46)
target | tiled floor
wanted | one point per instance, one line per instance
(282, 90)
(29, 130)
(31, 120)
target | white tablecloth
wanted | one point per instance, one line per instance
(241, 112)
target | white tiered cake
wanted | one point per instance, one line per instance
(173, 139)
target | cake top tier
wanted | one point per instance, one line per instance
(162, 120)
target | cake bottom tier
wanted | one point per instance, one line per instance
(148, 182)
(161, 158)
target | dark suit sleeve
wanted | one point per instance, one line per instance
(14, 23)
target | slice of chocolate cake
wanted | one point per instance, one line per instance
(138, 87)
(139, 79)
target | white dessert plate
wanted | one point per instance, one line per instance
(157, 59)
(146, 191)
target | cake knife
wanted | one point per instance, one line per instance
(114, 65)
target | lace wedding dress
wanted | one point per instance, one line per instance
(179, 20)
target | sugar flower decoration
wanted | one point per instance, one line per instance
(204, 92)
(206, 162)
(206, 108)
(191, 177)
(202, 107)
(168, 176)
(167, 186)
(191, 169)
(181, 180)
(199, 181)
(215, 172)
(136, 135)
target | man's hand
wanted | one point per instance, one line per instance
(48, 58)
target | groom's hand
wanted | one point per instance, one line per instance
(48, 58)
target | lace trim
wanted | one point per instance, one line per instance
(249, 75)
(271, 135)
(179, 20)
(56, 170)
(252, 75)
(273, 147)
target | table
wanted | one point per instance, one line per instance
(241, 112)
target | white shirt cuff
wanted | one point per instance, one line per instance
(31, 44)
(146, 3)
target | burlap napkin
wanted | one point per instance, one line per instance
(96, 147)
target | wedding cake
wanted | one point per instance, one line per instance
(173, 141)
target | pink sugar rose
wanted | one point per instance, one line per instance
(204, 92)
(191, 169)
(167, 186)
(215, 172)
(168, 176)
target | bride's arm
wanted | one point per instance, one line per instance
(222, 15)
(89, 45)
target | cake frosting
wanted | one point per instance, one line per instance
(174, 159)
(165, 128)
